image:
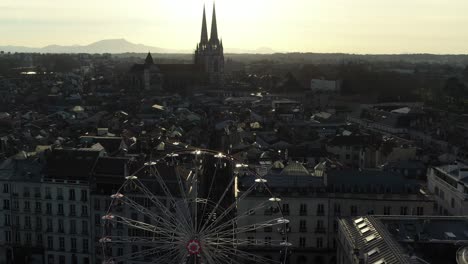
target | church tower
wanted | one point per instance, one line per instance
(209, 52)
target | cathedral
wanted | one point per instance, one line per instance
(207, 70)
(209, 52)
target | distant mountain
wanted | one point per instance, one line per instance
(103, 46)
(116, 46)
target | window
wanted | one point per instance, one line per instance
(61, 228)
(72, 210)
(8, 236)
(302, 242)
(27, 206)
(84, 211)
(50, 227)
(60, 209)
(17, 237)
(387, 210)
(71, 194)
(73, 244)
(120, 252)
(6, 204)
(420, 210)
(15, 205)
(38, 207)
(84, 195)
(7, 220)
(38, 223)
(27, 222)
(49, 208)
(267, 241)
(452, 203)
(97, 204)
(62, 243)
(97, 219)
(39, 240)
(319, 242)
(37, 192)
(59, 194)
(403, 210)
(85, 245)
(353, 210)
(337, 209)
(28, 238)
(72, 226)
(302, 226)
(320, 209)
(62, 259)
(250, 240)
(26, 192)
(6, 188)
(84, 227)
(285, 209)
(50, 242)
(303, 210)
(47, 193)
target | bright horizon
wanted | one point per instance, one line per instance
(359, 26)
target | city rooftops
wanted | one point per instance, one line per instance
(407, 239)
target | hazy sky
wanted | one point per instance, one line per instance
(356, 26)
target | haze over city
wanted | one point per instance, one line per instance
(361, 26)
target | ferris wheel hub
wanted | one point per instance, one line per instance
(194, 247)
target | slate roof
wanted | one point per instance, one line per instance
(71, 164)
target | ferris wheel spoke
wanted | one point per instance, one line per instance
(215, 208)
(140, 225)
(247, 242)
(209, 194)
(235, 220)
(252, 227)
(183, 192)
(137, 255)
(246, 256)
(173, 219)
(138, 240)
(145, 211)
(169, 195)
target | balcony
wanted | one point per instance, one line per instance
(303, 229)
(320, 213)
(48, 197)
(59, 197)
(303, 213)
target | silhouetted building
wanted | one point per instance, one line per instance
(210, 53)
(207, 69)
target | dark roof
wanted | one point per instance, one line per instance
(353, 140)
(365, 179)
(111, 144)
(71, 164)
(115, 166)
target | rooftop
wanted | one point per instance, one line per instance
(407, 239)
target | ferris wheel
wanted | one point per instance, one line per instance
(195, 207)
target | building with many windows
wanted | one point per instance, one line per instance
(449, 184)
(402, 239)
(314, 201)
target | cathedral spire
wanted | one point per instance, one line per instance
(149, 59)
(204, 32)
(214, 27)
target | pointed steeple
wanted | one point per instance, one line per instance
(149, 59)
(204, 31)
(214, 28)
